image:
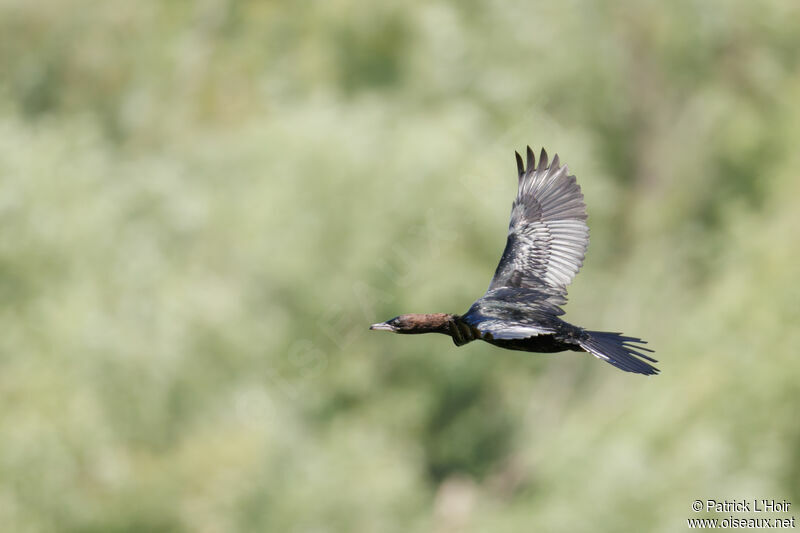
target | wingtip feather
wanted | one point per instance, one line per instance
(531, 159)
(542, 160)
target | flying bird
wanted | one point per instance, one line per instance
(546, 244)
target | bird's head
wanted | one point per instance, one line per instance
(431, 323)
(398, 324)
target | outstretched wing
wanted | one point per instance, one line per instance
(547, 235)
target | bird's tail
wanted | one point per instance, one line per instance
(623, 352)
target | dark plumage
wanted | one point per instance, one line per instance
(547, 240)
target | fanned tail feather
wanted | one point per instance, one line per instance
(623, 352)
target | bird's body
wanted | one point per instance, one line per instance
(546, 244)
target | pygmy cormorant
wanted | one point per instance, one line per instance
(547, 240)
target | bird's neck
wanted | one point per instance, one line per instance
(430, 323)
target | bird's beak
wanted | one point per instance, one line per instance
(382, 326)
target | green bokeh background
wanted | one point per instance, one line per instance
(204, 205)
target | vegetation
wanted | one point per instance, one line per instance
(205, 204)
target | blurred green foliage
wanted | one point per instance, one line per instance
(204, 204)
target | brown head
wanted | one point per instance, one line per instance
(431, 323)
